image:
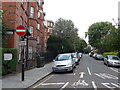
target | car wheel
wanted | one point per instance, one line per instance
(108, 64)
(71, 70)
(104, 62)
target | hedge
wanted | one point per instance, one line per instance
(110, 53)
(10, 65)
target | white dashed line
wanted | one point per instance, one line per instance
(94, 85)
(64, 86)
(99, 76)
(115, 85)
(114, 70)
(53, 83)
(107, 85)
(89, 71)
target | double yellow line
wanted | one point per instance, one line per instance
(42, 82)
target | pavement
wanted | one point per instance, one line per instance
(31, 77)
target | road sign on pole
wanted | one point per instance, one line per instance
(21, 30)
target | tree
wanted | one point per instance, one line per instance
(3, 29)
(66, 29)
(59, 45)
(111, 41)
(97, 32)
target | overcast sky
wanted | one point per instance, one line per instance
(82, 12)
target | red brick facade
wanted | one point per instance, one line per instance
(30, 15)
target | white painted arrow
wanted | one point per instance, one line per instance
(81, 74)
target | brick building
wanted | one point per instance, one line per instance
(31, 16)
(49, 25)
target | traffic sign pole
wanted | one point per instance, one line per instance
(23, 63)
(21, 31)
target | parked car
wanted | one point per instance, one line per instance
(94, 55)
(91, 54)
(63, 62)
(76, 58)
(111, 60)
(99, 57)
(80, 54)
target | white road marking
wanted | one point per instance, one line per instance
(81, 83)
(81, 74)
(89, 71)
(64, 86)
(94, 85)
(115, 85)
(109, 76)
(107, 85)
(99, 76)
(71, 74)
(106, 76)
(53, 83)
(114, 70)
(74, 74)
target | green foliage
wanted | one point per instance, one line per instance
(110, 53)
(49, 56)
(9, 66)
(111, 42)
(59, 45)
(66, 29)
(3, 29)
(98, 30)
(104, 36)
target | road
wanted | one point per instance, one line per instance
(90, 73)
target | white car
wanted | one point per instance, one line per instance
(80, 54)
(111, 60)
(63, 62)
(75, 57)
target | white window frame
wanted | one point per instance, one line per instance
(32, 9)
(39, 2)
(38, 26)
(22, 1)
(30, 50)
(38, 40)
(38, 14)
(31, 28)
(21, 21)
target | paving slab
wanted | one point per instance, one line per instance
(31, 76)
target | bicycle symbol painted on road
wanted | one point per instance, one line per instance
(80, 83)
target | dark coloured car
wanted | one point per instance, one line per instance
(99, 57)
(91, 54)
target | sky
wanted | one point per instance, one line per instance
(82, 12)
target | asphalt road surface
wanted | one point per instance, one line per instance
(89, 74)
